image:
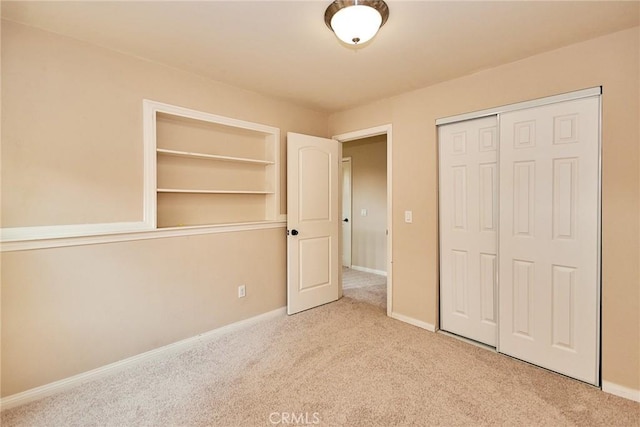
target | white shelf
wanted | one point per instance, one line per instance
(212, 157)
(245, 179)
(189, 191)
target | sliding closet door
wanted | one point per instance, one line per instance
(549, 237)
(468, 225)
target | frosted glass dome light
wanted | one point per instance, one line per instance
(356, 22)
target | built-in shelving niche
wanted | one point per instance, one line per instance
(214, 170)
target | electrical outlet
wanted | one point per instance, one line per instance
(242, 291)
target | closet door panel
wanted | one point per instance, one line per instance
(468, 228)
(549, 237)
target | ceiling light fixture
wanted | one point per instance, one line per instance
(356, 21)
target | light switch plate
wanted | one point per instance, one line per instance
(363, 212)
(408, 217)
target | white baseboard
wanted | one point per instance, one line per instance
(415, 322)
(369, 270)
(176, 347)
(621, 391)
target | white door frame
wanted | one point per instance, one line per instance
(366, 133)
(346, 239)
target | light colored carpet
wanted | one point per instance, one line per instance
(342, 364)
(357, 279)
(371, 288)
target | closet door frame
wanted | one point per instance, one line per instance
(497, 111)
(569, 96)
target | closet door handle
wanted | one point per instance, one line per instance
(346, 220)
(294, 232)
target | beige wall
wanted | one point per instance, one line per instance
(72, 126)
(369, 191)
(69, 310)
(611, 61)
(72, 152)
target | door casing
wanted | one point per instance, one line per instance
(366, 133)
(347, 214)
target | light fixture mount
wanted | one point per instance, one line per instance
(356, 21)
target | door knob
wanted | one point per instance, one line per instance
(294, 232)
(346, 220)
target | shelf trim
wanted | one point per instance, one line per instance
(155, 233)
(179, 153)
(174, 110)
(195, 191)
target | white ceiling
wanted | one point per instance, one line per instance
(284, 49)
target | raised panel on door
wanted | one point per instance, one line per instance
(549, 237)
(468, 226)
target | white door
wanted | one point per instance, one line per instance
(313, 221)
(346, 212)
(468, 226)
(549, 237)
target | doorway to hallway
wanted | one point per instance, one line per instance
(367, 155)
